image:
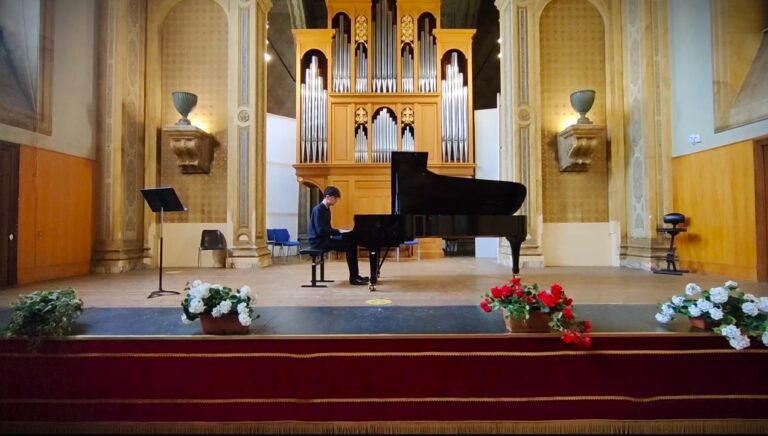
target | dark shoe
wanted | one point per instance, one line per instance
(358, 281)
(362, 278)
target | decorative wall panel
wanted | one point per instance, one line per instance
(194, 59)
(572, 57)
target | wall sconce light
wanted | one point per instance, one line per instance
(192, 145)
(576, 143)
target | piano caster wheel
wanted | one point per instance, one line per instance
(371, 287)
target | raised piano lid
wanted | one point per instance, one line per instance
(416, 190)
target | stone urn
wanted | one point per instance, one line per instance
(184, 102)
(581, 102)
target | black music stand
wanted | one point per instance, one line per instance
(162, 200)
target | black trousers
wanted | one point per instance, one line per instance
(348, 248)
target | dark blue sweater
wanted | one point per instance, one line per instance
(319, 229)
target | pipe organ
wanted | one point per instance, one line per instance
(383, 77)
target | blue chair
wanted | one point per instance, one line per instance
(271, 240)
(410, 244)
(283, 241)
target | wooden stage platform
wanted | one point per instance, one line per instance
(336, 360)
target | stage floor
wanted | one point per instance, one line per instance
(438, 296)
(452, 281)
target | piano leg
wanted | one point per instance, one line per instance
(373, 257)
(515, 244)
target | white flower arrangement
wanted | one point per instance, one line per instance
(735, 315)
(217, 300)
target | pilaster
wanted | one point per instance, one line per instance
(648, 138)
(119, 216)
(520, 154)
(247, 177)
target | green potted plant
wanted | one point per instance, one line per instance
(528, 308)
(45, 314)
(221, 310)
(726, 310)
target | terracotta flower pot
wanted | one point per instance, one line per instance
(223, 325)
(701, 323)
(538, 322)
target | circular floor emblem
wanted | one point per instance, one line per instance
(379, 301)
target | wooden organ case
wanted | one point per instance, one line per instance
(382, 77)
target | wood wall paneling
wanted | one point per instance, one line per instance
(341, 139)
(715, 189)
(27, 212)
(761, 207)
(55, 215)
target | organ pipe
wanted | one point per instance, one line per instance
(427, 51)
(455, 134)
(341, 77)
(384, 48)
(384, 136)
(314, 99)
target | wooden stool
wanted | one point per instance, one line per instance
(318, 259)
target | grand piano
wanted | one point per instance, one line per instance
(425, 204)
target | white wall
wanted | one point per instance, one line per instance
(282, 187)
(581, 244)
(487, 161)
(690, 39)
(72, 92)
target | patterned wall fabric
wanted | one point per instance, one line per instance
(572, 55)
(194, 59)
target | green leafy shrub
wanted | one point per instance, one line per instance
(45, 313)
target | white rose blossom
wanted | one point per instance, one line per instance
(242, 308)
(196, 305)
(730, 331)
(244, 291)
(704, 305)
(244, 319)
(692, 289)
(666, 309)
(749, 309)
(663, 318)
(196, 283)
(678, 300)
(751, 297)
(731, 284)
(739, 342)
(718, 295)
(185, 320)
(765, 338)
(716, 313)
(762, 306)
(694, 311)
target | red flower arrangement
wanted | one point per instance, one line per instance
(519, 301)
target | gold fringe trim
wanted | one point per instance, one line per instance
(530, 354)
(653, 399)
(719, 426)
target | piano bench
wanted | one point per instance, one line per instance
(318, 259)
